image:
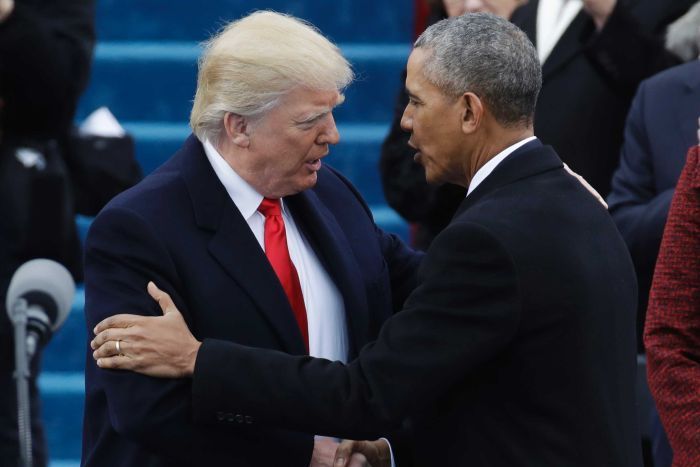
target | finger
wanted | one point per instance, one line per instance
(344, 452)
(117, 362)
(111, 334)
(359, 460)
(116, 321)
(164, 301)
(109, 349)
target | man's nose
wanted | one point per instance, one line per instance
(407, 120)
(330, 134)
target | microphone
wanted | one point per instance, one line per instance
(38, 302)
(40, 295)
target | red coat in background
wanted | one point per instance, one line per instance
(672, 334)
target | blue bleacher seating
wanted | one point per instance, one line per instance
(145, 71)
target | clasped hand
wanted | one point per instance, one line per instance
(349, 453)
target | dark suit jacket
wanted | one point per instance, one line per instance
(516, 348)
(590, 78)
(661, 126)
(180, 229)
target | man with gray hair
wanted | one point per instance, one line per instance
(517, 346)
(264, 245)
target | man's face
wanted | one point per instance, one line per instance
(434, 121)
(288, 143)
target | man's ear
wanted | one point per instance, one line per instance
(472, 112)
(237, 129)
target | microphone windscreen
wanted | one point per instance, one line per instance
(44, 276)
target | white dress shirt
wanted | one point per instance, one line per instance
(487, 168)
(325, 310)
(553, 18)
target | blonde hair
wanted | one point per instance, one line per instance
(254, 61)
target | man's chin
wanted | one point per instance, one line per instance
(308, 182)
(433, 179)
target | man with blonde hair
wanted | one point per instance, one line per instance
(258, 242)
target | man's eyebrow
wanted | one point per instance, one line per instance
(410, 94)
(313, 116)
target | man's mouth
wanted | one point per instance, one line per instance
(314, 164)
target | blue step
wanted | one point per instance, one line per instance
(157, 81)
(66, 350)
(341, 20)
(63, 396)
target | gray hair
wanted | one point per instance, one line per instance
(247, 67)
(683, 35)
(487, 55)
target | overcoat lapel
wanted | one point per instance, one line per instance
(331, 246)
(569, 45)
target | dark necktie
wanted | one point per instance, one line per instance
(278, 255)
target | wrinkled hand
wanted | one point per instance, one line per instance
(6, 8)
(587, 186)
(363, 454)
(324, 452)
(600, 11)
(159, 346)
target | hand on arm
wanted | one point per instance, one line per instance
(587, 186)
(160, 346)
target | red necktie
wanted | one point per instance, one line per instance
(278, 255)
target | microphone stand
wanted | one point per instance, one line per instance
(18, 316)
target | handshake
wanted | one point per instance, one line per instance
(349, 453)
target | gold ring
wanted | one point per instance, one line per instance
(119, 349)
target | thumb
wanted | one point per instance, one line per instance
(164, 301)
(344, 452)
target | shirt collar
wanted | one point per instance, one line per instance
(244, 196)
(487, 168)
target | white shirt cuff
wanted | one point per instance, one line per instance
(391, 451)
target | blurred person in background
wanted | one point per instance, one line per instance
(672, 334)
(45, 54)
(659, 130)
(594, 53)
